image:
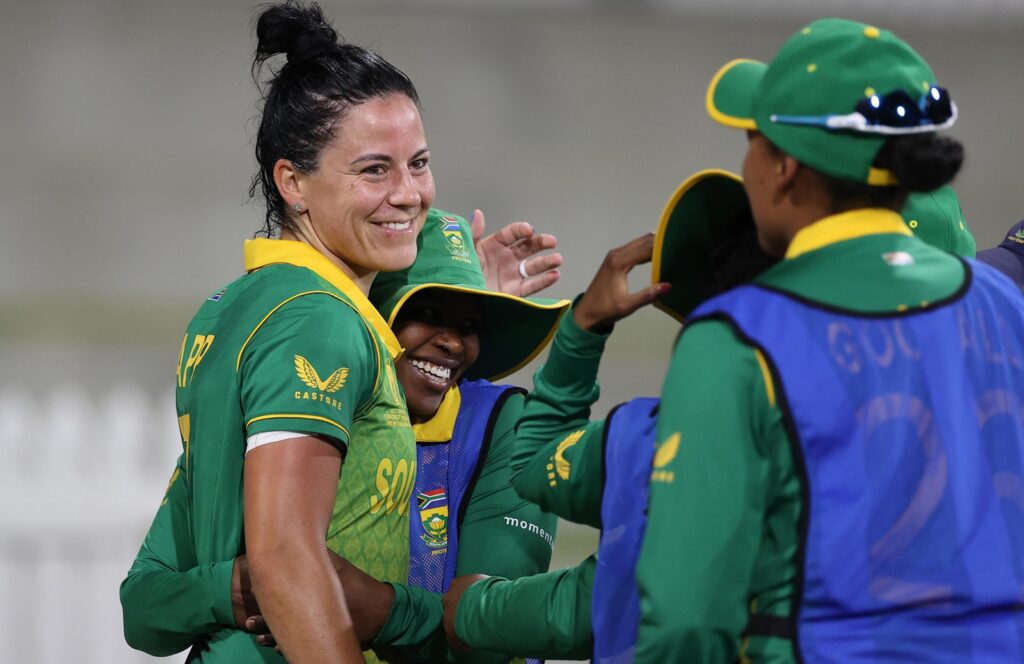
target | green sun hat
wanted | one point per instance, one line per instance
(825, 69)
(937, 218)
(513, 330)
(706, 242)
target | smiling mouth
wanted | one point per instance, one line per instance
(396, 225)
(434, 373)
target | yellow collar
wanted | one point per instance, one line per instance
(846, 226)
(441, 427)
(262, 252)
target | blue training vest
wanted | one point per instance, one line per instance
(908, 430)
(615, 602)
(445, 473)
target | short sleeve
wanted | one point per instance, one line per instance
(309, 367)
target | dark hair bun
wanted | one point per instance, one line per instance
(296, 29)
(923, 162)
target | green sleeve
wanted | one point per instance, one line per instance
(502, 534)
(296, 376)
(414, 621)
(709, 488)
(544, 615)
(558, 450)
(164, 608)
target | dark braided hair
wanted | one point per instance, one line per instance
(308, 96)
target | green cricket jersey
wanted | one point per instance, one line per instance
(725, 502)
(172, 597)
(557, 464)
(170, 601)
(263, 355)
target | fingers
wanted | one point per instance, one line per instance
(258, 626)
(645, 296)
(527, 247)
(537, 265)
(477, 225)
(633, 253)
(514, 232)
(537, 283)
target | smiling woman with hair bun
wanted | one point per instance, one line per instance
(287, 375)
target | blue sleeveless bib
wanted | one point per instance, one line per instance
(628, 452)
(445, 473)
(909, 433)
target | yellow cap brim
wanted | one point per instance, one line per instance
(730, 94)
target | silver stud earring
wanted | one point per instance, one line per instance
(297, 207)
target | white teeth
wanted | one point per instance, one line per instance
(397, 225)
(443, 373)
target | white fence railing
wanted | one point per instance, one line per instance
(81, 475)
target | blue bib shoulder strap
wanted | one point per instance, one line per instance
(628, 452)
(446, 473)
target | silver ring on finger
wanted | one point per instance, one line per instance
(522, 269)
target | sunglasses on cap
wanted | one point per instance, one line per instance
(894, 113)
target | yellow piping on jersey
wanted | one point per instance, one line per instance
(299, 416)
(769, 386)
(238, 362)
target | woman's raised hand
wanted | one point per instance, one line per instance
(607, 298)
(511, 259)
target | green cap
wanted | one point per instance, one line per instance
(826, 68)
(937, 218)
(706, 242)
(513, 330)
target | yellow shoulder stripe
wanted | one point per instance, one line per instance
(769, 386)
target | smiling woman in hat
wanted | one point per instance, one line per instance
(836, 438)
(458, 337)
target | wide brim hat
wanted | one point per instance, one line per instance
(937, 218)
(513, 330)
(707, 211)
(826, 68)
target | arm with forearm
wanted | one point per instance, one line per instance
(169, 602)
(557, 457)
(289, 495)
(707, 501)
(544, 615)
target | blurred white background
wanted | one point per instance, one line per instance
(127, 128)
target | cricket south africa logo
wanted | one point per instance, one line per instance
(453, 237)
(434, 517)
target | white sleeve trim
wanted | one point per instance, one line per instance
(258, 439)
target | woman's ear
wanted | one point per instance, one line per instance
(786, 170)
(286, 177)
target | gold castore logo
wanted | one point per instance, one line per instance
(308, 375)
(663, 456)
(562, 466)
(667, 451)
